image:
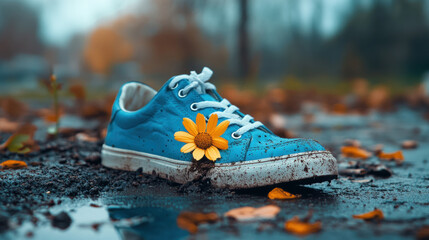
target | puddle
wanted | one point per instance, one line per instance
(83, 218)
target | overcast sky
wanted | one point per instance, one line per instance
(61, 19)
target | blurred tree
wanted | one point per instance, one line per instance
(165, 41)
(19, 30)
(243, 40)
(388, 38)
(105, 48)
(380, 39)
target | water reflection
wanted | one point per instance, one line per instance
(155, 218)
(146, 223)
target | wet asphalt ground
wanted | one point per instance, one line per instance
(99, 203)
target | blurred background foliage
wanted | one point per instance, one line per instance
(331, 46)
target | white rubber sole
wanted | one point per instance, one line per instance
(307, 167)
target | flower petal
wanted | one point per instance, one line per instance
(211, 125)
(188, 147)
(201, 122)
(184, 137)
(220, 129)
(190, 126)
(212, 153)
(220, 143)
(198, 153)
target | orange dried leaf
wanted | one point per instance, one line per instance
(376, 214)
(251, 213)
(298, 227)
(51, 118)
(13, 164)
(8, 126)
(13, 108)
(49, 115)
(396, 156)
(339, 108)
(278, 193)
(53, 78)
(190, 220)
(423, 233)
(78, 91)
(355, 152)
(103, 133)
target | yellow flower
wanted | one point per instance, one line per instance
(202, 139)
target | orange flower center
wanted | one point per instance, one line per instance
(203, 140)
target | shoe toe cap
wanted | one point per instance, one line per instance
(278, 147)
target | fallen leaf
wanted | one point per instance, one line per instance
(85, 138)
(377, 149)
(339, 108)
(49, 115)
(362, 180)
(298, 227)
(423, 233)
(355, 152)
(78, 91)
(8, 126)
(353, 172)
(103, 133)
(352, 142)
(16, 143)
(379, 170)
(251, 213)
(52, 118)
(22, 141)
(13, 164)
(376, 214)
(13, 108)
(190, 220)
(92, 110)
(278, 193)
(409, 144)
(396, 156)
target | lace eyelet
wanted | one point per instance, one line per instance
(194, 107)
(236, 135)
(181, 94)
(175, 86)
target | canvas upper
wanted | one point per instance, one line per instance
(150, 129)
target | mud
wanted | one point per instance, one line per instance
(60, 169)
(65, 192)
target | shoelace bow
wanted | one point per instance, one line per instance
(200, 83)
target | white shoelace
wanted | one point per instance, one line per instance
(201, 84)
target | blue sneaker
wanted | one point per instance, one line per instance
(155, 131)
